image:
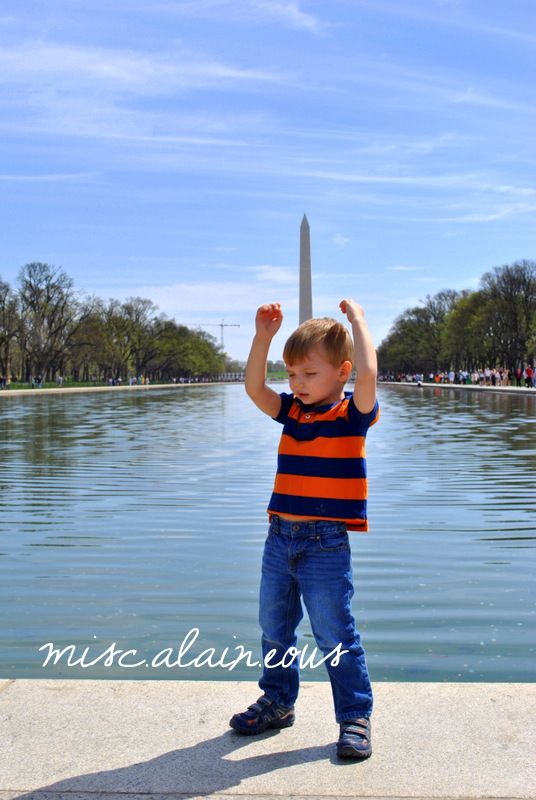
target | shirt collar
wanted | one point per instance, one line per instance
(327, 407)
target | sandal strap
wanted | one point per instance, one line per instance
(358, 727)
(260, 704)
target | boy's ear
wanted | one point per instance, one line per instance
(346, 369)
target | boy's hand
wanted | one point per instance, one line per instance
(353, 310)
(267, 323)
(365, 363)
(268, 320)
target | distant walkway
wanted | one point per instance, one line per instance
(124, 388)
(170, 740)
(147, 387)
(472, 387)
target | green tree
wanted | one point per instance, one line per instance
(467, 336)
(495, 326)
(411, 345)
(414, 343)
(182, 352)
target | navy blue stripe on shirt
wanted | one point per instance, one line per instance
(305, 432)
(318, 506)
(322, 467)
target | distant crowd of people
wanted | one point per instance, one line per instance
(483, 377)
(36, 381)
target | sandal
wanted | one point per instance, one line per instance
(355, 739)
(260, 716)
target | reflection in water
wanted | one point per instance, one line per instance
(132, 518)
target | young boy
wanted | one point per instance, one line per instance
(319, 494)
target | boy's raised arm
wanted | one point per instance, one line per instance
(267, 323)
(366, 366)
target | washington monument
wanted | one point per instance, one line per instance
(306, 295)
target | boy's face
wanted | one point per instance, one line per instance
(315, 380)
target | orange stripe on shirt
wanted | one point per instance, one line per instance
(324, 447)
(336, 488)
(305, 416)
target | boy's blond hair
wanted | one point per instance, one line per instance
(332, 336)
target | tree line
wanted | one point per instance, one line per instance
(48, 329)
(493, 326)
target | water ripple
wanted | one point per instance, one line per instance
(131, 518)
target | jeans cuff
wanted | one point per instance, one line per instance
(354, 715)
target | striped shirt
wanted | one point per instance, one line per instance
(321, 466)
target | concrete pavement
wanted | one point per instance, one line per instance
(128, 740)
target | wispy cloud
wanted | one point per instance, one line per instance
(58, 177)
(501, 213)
(195, 300)
(472, 97)
(403, 268)
(412, 88)
(442, 181)
(288, 14)
(242, 294)
(448, 14)
(401, 144)
(104, 93)
(104, 69)
(275, 275)
(210, 297)
(483, 216)
(467, 181)
(340, 241)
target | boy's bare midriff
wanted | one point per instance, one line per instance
(295, 518)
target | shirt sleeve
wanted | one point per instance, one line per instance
(362, 422)
(286, 403)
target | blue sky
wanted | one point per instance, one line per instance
(169, 149)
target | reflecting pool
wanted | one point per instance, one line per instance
(139, 518)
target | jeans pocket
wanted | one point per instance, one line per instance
(334, 539)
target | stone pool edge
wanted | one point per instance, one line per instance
(89, 739)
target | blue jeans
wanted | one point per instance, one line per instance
(313, 560)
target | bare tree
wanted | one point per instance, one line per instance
(512, 291)
(140, 317)
(49, 317)
(9, 326)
